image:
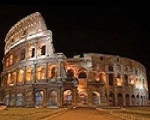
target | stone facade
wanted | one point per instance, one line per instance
(35, 76)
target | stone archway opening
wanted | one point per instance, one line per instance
(127, 100)
(19, 101)
(96, 98)
(82, 99)
(39, 99)
(7, 99)
(111, 99)
(133, 100)
(82, 88)
(120, 99)
(67, 95)
(82, 81)
(53, 99)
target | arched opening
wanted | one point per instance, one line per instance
(39, 99)
(31, 52)
(11, 59)
(127, 100)
(111, 99)
(7, 62)
(126, 79)
(19, 100)
(14, 77)
(53, 99)
(7, 100)
(119, 80)
(22, 54)
(82, 80)
(67, 97)
(142, 101)
(96, 98)
(110, 68)
(40, 73)
(12, 99)
(52, 71)
(120, 99)
(111, 79)
(28, 99)
(41, 49)
(82, 98)
(103, 77)
(21, 76)
(43, 73)
(133, 100)
(137, 100)
(70, 73)
(82, 74)
(9, 80)
(29, 74)
(97, 76)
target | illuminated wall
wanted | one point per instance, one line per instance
(35, 76)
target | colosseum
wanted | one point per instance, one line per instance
(34, 75)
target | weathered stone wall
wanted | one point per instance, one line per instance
(34, 76)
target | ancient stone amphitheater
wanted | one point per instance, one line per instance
(35, 76)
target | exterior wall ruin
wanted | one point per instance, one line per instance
(35, 76)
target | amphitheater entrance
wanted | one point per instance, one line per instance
(82, 89)
(82, 99)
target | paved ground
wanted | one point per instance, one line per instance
(83, 114)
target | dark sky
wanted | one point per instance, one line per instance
(117, 30)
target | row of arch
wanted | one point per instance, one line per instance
(29, 99)
(28, 75)
(128, 100)
(24, 30)
(82, 98)
(42, 72)
(127, 79)
(40, 99)
(52, 73)
(38, 49)
(119, 80)
(126, 69)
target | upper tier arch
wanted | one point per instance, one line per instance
(28, 26)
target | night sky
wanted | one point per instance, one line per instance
(123, 31)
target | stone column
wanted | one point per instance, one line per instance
(36, 47)
(116, 98)
(75, 97)
(104, 101)
(25, 75)
(60, 97)
(46, 73)
(130, 100)
(34, 73)
(90, 102)
(16, 77)
(26, 52)
(124, 99)
(59, 70)
(49, 46)
(46, 97)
